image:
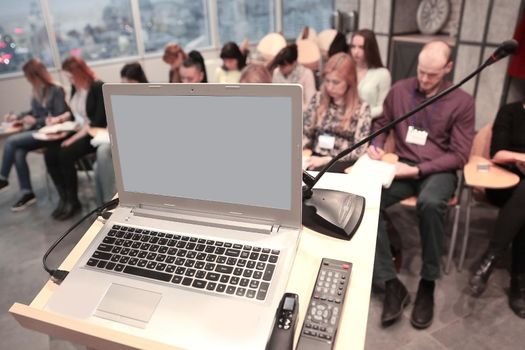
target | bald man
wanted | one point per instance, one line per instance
(431, 146)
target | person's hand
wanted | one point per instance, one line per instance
(10, 117)
(68, 142)
(29, 120)
(53, 120)
(375, 153)
(56, 136)
(315, 162)
(404, 171)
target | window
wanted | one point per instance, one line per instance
(178, 21)
(22, 35)
(93, 30)
(300, 13)
(244, 19)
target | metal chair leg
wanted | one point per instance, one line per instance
(453, 239)
(467, 230)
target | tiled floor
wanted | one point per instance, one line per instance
(461, 322)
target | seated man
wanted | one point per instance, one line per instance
(431, 145)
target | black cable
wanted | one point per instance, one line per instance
(57, 275)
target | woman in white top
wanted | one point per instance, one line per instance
(233, 61)
(286, 70)
(373, 78)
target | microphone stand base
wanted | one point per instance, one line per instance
(333, 213)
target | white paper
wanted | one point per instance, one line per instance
(369, 167)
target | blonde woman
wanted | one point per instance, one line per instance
(336, 117)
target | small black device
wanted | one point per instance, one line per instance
(285, 322)
(325, 306)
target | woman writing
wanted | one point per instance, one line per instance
(87, 106)
(47, 102)
(336, 117)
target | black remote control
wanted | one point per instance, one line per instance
(285, 322)
(325, 306)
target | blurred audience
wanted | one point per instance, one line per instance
(255, 74)
(193, 69)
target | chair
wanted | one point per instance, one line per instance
(308, 54)
(270, 45)
(324, 40)
(479, 179)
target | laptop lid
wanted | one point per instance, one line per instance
(227, 150)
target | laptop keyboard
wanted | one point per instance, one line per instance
(215, 266)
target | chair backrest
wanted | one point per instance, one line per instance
(270, 45)
(481, 142)
(308, 54)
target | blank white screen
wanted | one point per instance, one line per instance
(222, 149)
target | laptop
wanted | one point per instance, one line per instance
(198, 253)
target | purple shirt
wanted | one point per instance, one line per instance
(449, 123)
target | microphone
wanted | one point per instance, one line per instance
(508, 47)
(338, 214)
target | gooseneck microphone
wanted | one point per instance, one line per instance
(508, 47)
(338, 214)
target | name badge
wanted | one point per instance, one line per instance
(326, 141)
(416, 136)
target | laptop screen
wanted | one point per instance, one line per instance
(227, 149)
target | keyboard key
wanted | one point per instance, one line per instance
(247, 273)
(263, 290)
(109, 240)
(147, 273)
(237, 271)
(268, 273)
(224, 269)
(250, 293)
(211, 286)
(212, 276)
(101, 255)
(256, 249)
(187, 281)
(101, 264)
(275, 252)
(92, 262)
(230, 290)
(199, 284)
(200, 274)
(273, 259)
(176, 279)
(244, 282)
(190, 272)
(209, 267)
(232, 252)
(199, 265)
(220, 288)
(254, 284)
(266, 250)
(234, 280)
(240, 292)
(225, 278)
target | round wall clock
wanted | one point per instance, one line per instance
(432, 15)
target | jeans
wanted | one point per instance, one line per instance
(104, 174)
(433, 193)
(16, 148)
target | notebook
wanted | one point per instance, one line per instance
(198, 253)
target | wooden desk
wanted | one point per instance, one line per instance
(312, 248)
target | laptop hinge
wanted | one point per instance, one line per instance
(189, 217)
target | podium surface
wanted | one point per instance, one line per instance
(312, 248)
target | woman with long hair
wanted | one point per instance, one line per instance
(336, 117)
(87, 107)
(47, 103)
(373, 78)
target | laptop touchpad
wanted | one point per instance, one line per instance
(128, 305)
